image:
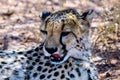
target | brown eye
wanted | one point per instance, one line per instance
(65, 33)
(44, 32)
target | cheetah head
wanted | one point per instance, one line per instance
(61, 33)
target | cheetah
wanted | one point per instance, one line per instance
(64, 53)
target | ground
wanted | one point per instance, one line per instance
(19, 26)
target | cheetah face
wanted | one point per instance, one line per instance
(61, 32)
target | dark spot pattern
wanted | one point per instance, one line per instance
(40, 63)
(49, 76)
(37, 60)
(70, 64)
(35, 74)
(42, 76)
(62, 71)
(67, 79)
(34, 57)
(20, 52)
(30, 67)
(47, 64)
(50, 70)
(33, 63)
(52, 65)
(0, 66)
(30, 58)
(3, 62)
(44, 70)
(39, 68)
(35, 54)
(37, 49)
(66, 66)
(72, 75)
(22, 58)
(56, 74)
(60, 66)
(29, 52)
(27, 77)
(89, 78)
(55, 69)
(78, 71)
(7, 78)
(38, 57)
(46, 57)
(62, 76)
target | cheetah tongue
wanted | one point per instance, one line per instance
(56, 55)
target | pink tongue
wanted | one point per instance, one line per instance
(56, 55)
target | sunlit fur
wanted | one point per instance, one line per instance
(76, 42)
(63, 53)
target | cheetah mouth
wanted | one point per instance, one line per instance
(56, 58)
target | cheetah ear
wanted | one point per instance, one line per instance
(85, 20)
(88, 15)
(44, 14)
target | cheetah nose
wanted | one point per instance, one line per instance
(56, 55)
(51, 50)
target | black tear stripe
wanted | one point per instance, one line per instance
(74, 33)
(63, 25)
(75, 37)
(63, 45)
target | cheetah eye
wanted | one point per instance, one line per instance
(43, 31)
(65, 33)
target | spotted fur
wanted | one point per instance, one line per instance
(63, 54)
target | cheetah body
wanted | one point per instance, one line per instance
(38, 64)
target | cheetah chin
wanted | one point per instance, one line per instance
(57, 58)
